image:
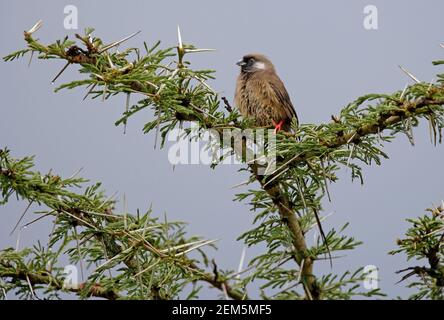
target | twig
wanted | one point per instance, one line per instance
(227, 104)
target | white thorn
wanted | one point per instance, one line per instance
(196, 247)
(30, 286)
(409, 74)
(19, 236)
(224, 289)
(403, 91)
(111, 64)
(246, 182)
(179, 37)
(36, 27)
(350, 155)
(116, 43)
(300, 272)
(75, 173)
(198, 50)
(241, 262)
(431, 84)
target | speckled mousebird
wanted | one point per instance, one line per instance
(261, 94)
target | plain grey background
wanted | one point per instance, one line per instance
(321, 51)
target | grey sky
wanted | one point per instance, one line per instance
(321, 51)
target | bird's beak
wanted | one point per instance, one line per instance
(241, 63)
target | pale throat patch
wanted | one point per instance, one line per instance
(259, 65)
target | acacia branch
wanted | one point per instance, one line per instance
(425, 239)
(34, 279)
(351, 132)
(50, 193)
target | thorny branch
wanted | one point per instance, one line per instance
(302, 153)
(425, 241)
(96, 216)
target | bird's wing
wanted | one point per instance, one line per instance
(283, 98)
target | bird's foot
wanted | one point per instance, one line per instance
(277, 126)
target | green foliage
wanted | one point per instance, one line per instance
(131, 256)
(423, 242)
(284, 205)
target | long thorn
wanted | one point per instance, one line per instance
(156, 135)
(275, 177)
(241, 262)
(224, 289)
(324, 238)
(61, 71)
(350, 155)
(325, 180)
(198, 50)
(195, 247)
(147, 268)
(179, 38)
(403, 91)
(321, 230)
(300, 272)
(19, 236)
(409, 74)
(76, 173)
(301, 194)
(21, 217)
(146, 221)
(30, 287)
(118, 42)
(37, 219)
(79, 253)
(35, 27)
(126, 110)
(246, 182)
(30, 58)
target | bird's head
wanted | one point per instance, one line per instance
(254, 62)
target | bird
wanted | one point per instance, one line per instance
(261, 94)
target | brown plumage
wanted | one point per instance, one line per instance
(261, 94)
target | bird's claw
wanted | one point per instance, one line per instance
(277, 126)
